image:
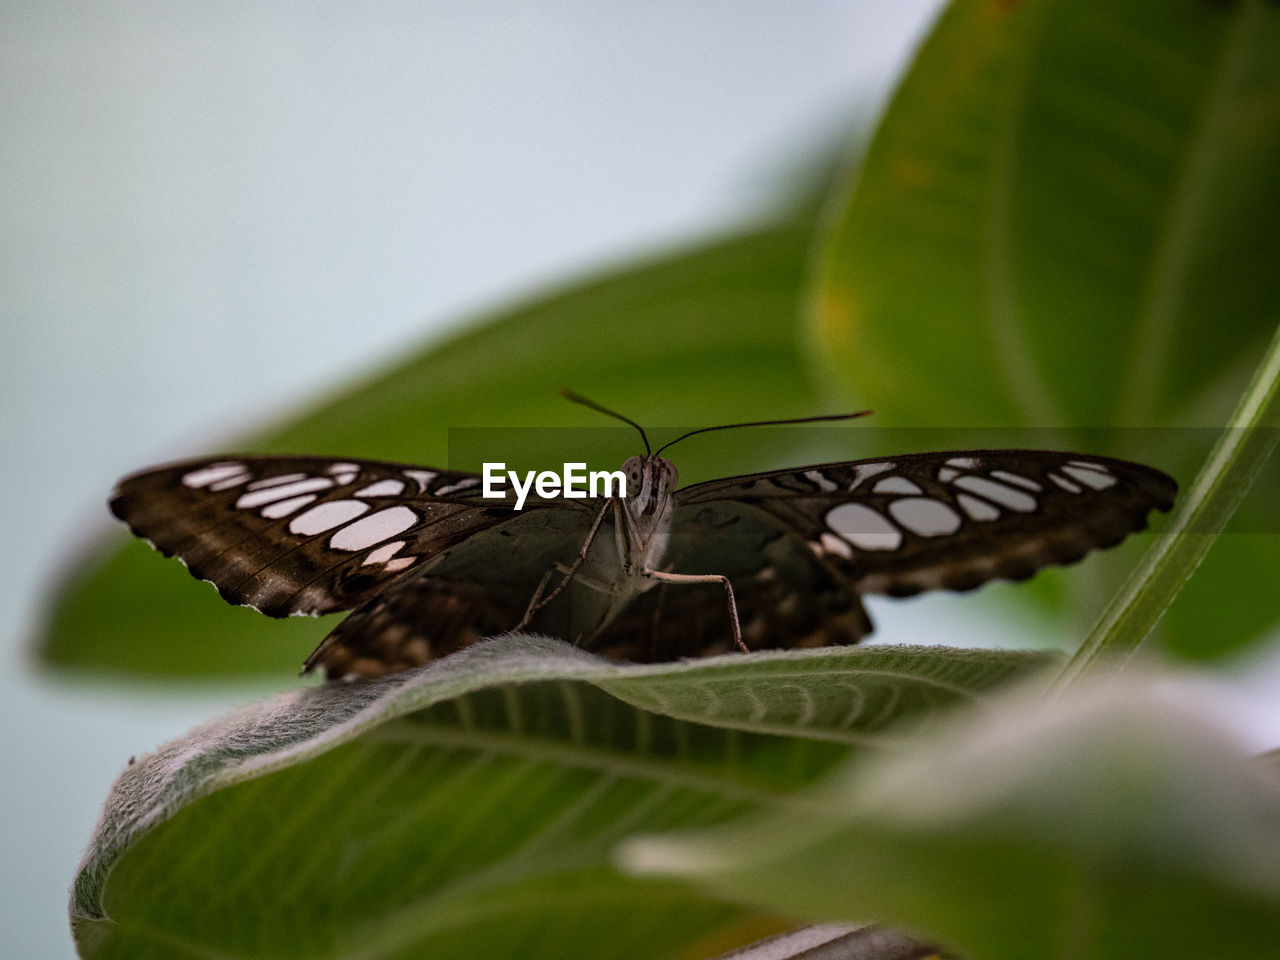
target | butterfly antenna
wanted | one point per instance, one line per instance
(579, 398)
(766, 423)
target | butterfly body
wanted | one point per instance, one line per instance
(642, 519)
(617, 569)
(778, 559)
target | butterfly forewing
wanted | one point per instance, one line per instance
(299, 535)
(951, 520)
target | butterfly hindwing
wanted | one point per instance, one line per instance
(303, 535)
(479, 587)
(412, 622)
(951, 520)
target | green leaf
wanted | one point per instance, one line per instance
(673, 342)
(1065, 220)
(1117, 824)
(1218, 610)
(468, 809)
(1203, 513)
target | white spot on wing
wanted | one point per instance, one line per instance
(373, 529)
(383, 488)
(1016, 479)
(824, 484)
(1090, 478)
(229, 482)
(276, 481)
(258, 497)
(464, 484)
(947, 474)
(863, 527)
(896, 485)
(211, 474)
(925, 516)
(420, 477)
(282, 508)
(385, 552)
(1089, 465)
(998, 492)
(399, 563)
(344, 468)
(326, 516)
(977, 509)
(865, 471)
(1065, 484)
(963, 463)
(833, 544)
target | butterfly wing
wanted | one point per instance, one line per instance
(431, 565)
(479, 587)
(951, 520)
(303, 535)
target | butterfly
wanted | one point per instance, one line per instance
(768, 560)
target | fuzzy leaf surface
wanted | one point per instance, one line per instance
(470, 808)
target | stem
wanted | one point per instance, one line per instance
(1226, 476)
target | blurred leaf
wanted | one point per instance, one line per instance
(1115, 825)
(1203, 512)
(1227, 599)
(467, 809)
(1066, 219)
(1225, 605)
(707, 336)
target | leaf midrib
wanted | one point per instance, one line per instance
(1167, 273)
(663, 770)
(1014, 354)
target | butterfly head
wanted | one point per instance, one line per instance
(651, 482)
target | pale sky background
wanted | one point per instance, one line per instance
(211, 209)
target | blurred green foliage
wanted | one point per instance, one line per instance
(1024, 832)
(1065, 220)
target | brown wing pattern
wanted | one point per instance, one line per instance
(476, 588)
(951, 520)
(413, 622)
(432, 567)
(303, 535)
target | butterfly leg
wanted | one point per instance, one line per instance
(657, 617)
(663, 577)
(536, 604)
(533, 606)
